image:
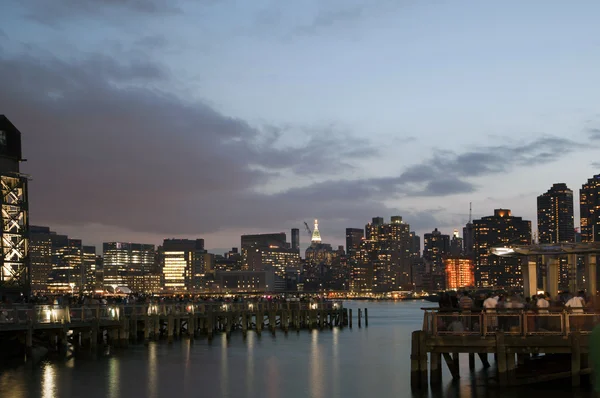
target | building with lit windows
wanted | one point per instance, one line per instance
(555, 215)
(354, 238)
(436, 246)
(245, 281)
(40, 257)
(501, 229)
(121, 258)
(89, 268)
(387, 250)
(459, 272)
(589, 209)
(260, 241)
(184, 264)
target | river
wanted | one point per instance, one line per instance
(366, 362)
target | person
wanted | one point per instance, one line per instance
(489, 305)
(542, 304)
(576, 305)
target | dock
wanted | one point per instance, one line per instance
(119, 325)
(515, 338)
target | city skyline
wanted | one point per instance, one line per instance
(137, 135)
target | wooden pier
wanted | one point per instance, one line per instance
(516, 338)
(118, 325)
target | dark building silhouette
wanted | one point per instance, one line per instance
(589, 207)
(456, 245)
(555, 215)
(295, 239)
(354, 237)
(15, 276)
(436, 246)
(499, 230)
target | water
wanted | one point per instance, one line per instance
(367, 362)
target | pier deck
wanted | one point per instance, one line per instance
(515, 337)
(121, 324)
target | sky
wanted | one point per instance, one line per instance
(150, 119)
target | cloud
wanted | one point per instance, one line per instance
(594, 133)
(596, 164)
(56, 11)
(107, 147)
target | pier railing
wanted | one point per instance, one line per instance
(55, 314)
(522, 322)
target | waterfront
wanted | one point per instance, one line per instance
(366, 362)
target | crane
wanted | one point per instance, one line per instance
(308, 229)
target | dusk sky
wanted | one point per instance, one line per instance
(149, 119)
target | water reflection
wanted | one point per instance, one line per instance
(113, 378)
(49, 381)
(335, 376)
(152, 372)
(224, 367)
(316, 372)
(250, 363)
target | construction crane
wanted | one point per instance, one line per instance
(308, 229)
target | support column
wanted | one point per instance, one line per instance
(572, 261)
(590, 274)
(551, 276)
(529, 269)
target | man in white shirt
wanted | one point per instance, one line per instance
(576, 305)
(490, 304)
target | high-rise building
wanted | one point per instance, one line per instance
(123, 257)
(261, 241)
(499, 230)
(279, 261)
(295, 239)
(589, 205)
(40, 257)
(15, 277)
(387, 251)
(184, 265)
(459, 272)
(456, 244)
(435, 247)
(555, 215)
(89, 268)
(354, 237)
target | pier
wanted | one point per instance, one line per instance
(516, 338)
(119, 325)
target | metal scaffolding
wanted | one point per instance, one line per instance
(15, 273)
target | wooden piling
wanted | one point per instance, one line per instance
(575, 359)
(415, 376)
(422, 358)
(501, 358)
(435, 369)
(350, 318)
(366, 318)
(170, 327)
(471, 361)
(359, 317)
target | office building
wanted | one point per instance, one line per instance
(121, 258)
(589, 208)
(555, 215)
(184, 264)
(40, 257)
(501, 229)
(89, 269)
(456, 244)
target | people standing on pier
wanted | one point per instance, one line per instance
(489, 305)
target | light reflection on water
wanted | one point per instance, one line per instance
(373, 362)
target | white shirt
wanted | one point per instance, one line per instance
(490, 303)
(542, 303)
(575, 302)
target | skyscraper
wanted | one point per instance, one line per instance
(555, 215)
(498, 230)
(354, 237)
(456, 244)
(295, 239)
(459, 272)
(40, 256)
(436, 247)
(589, 199)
